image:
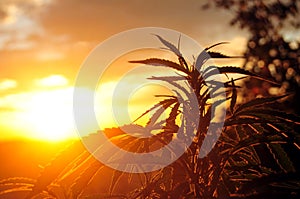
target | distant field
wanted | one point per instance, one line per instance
(26, 158)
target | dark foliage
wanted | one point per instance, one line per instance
(254, 156)
(269, 50)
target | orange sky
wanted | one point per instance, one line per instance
(44, 42)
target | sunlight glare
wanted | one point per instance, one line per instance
(52, 81)
(49, 114)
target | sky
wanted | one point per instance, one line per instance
(43, 44)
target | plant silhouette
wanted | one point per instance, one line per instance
(249, 160)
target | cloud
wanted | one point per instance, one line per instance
(9, 14)
(52, 81)
(17, 101)
(7, 84)
(45, 55)
(97, 20)
(65, 31)
(10, 8)
(18, 23)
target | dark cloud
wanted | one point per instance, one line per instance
(73, 27)
(96, 19)
(3, 14)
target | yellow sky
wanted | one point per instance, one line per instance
(44, 42)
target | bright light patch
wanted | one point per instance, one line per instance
(7, 84)
(52, 81)
(103, 105)
(49, 54)
(50, 114)
(46, 115)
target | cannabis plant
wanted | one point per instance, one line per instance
(254, 147)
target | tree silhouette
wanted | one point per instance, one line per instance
(270, 51)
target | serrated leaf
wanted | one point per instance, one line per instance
(257, 183)
(242, 121)
(201, 58)
(215, 70)
(281, 157)
(169, 45)
(213, 54)
(168, 78)
(217, 44)
(205, 55)
(114, 180)
(177, 85)
(174, 112)
(287, 117)
(256, 140)
(157, 114)
(53, 169)
(17, 180)
(259, 102)
(161, 103)
(85, 178)
(233, 96)
(161, 62)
